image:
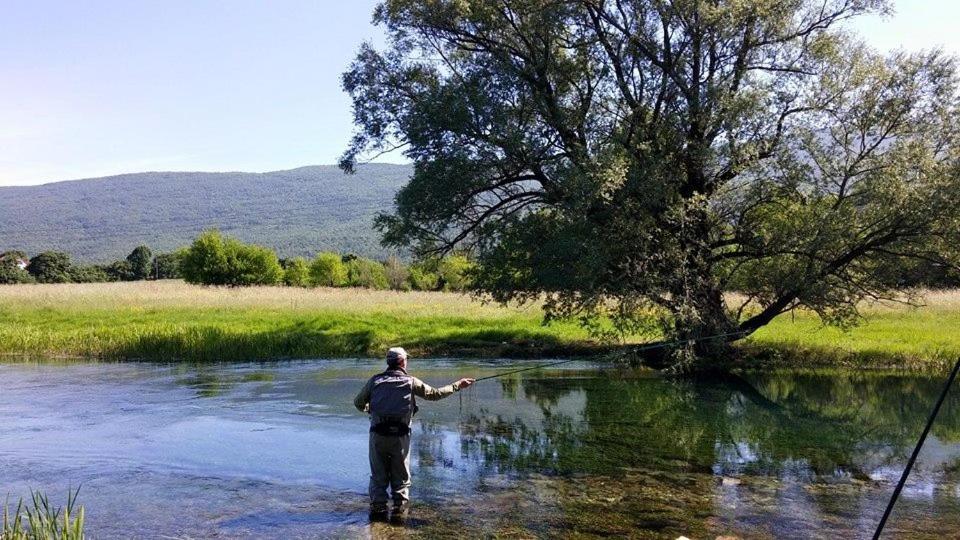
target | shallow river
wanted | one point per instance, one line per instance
(277, 450)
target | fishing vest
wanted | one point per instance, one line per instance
(392, 403)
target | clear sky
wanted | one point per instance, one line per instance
(110, 86)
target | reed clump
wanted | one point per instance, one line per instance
(39, 520)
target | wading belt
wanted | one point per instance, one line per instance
(391, 426)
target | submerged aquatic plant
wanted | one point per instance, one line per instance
(41, 521)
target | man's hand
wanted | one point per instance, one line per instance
(465, 383)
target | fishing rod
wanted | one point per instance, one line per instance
(647, 347)
(916, 450)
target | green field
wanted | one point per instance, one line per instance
(171, 320)
(926, 337)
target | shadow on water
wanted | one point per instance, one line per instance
(656, 455)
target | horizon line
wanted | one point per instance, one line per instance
(82, 179)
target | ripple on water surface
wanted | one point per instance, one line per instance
(276, 449)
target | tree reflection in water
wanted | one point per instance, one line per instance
(639, 453)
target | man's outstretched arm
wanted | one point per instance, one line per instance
(429, 393)
(363, 398)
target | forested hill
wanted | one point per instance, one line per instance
(296, 212)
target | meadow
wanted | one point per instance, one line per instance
(165, 320)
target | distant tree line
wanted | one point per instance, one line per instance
(214, 259)
(57, 267)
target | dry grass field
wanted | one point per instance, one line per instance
(174, 294)
(171, 320)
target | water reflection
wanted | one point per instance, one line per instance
(276, 450)
(800, 452)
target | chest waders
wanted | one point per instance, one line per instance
(392, 404)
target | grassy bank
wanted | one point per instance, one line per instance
(168, 319)
(892, 335)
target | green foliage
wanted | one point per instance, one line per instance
(10, 268)
(397, 274)
(205, 261)
(11, 273)
(14, 256)
(167, 265)
(141, 260)
(639, 156)
(215, 260)
(367, 273)
(296, 272)
(119, 271)
(328, 270)
(252, 265)
(423, 278)
(41, 521)
(90, 274)
(51, 267)
(454, 272)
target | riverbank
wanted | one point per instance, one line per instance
(165, 320)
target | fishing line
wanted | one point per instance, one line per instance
(648, 347)
(916, 450)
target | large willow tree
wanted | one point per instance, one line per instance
(623, 157)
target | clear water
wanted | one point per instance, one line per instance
(276, 450)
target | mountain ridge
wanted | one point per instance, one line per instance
(295, 211)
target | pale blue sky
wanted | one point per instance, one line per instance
(111, 86)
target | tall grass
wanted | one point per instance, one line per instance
(41, 521)
(170, 320)
(891, 335)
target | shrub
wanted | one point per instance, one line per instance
(366, 273)
(205, 261)
(328, 270)
(422, 278)
(119, 271)
(248, 264)
(167, 265)
(455, 272)
(10, 270)
(397, 274)
(140, 259)
(296, 273)
(10, 273)
(50, 267)
(89, 274)
(215, 260)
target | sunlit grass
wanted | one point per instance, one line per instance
(890, 334)
(39, 520)
(169, 320)
(172, 320)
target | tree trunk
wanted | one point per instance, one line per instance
(705, 322)
(701, 315)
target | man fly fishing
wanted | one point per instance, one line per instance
(390, 399)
